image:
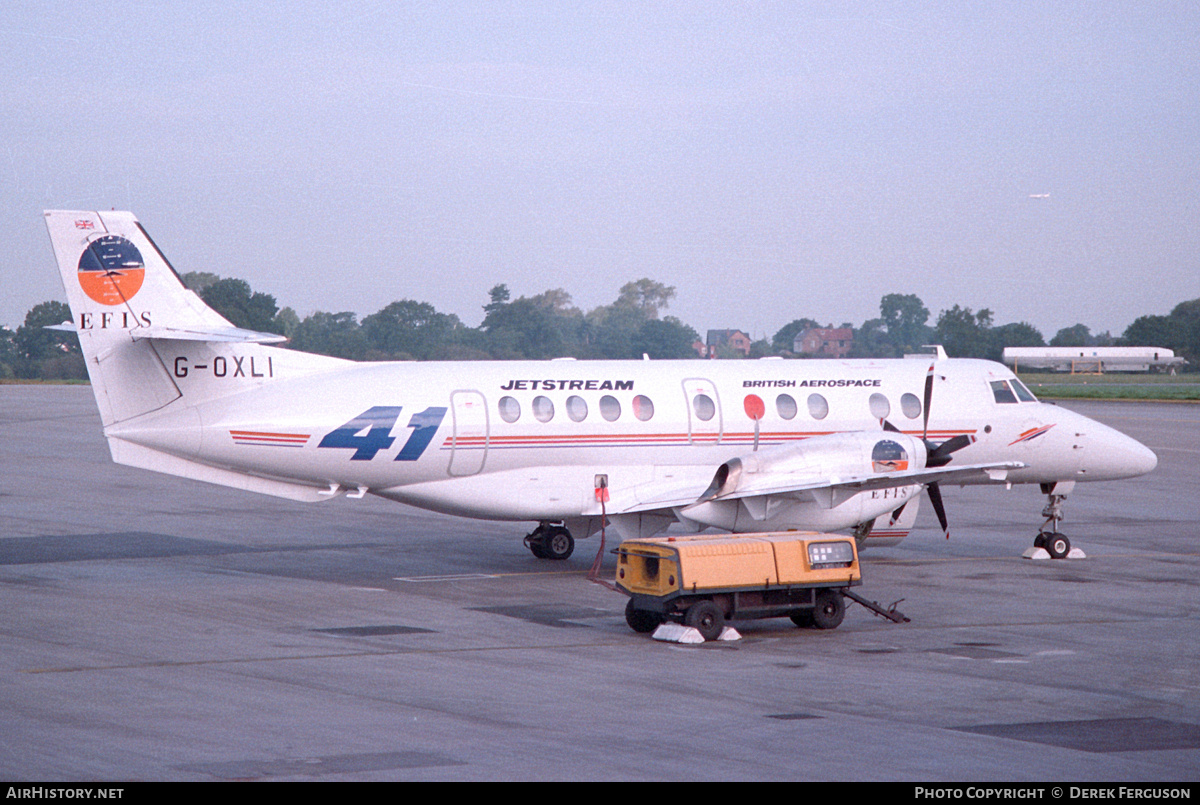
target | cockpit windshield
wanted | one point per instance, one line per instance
(1002, 392)
(1011, 391)
(1024, 394)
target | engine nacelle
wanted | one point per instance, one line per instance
(785, 486)
(833, 458)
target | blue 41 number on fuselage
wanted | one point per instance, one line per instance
(377, 422)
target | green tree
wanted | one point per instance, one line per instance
(964, 334)
(1153, 331)
(525, 328)
(663, 339)
(48, 354)
(1019, 334)
(1075, 336)
(199, 280)
(234, 300)
(646, 295)
(9, 356)
(904, 315)
(286, 322)
(872, 340)
(499, 296)
(1186, 315)
(612, 332)
(411, 330)
(336, 334)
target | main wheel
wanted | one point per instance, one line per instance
(535, 541)
(706, 618)
(1057, 545)
(641, 620)
(558, 544)
(830, 609)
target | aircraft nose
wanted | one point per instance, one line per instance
(1141, 458)
(1121, 456)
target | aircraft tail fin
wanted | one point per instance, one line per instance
(123, 294)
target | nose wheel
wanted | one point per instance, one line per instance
(549, 541)
(1056, 544)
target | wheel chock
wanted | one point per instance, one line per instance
(1033, 552)
(677, 633)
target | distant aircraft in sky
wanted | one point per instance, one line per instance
(743, 446)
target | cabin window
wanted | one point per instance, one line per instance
(610, 408)
(880, 407)
(910, 405)
(818, 406)
(576, 408)
(704, 407)
(510, 409)
(1002, 392)
(785, 406)
(643, 408)
(1024, 394)
(543, 409)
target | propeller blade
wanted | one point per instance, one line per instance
(896, 514)
(935, 497)
(888, 426)
(928, 399)
(940, 455)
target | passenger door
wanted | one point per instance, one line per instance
(469, 443)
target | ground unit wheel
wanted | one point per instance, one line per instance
(706, 618)
(830, 609)
(558, 544)
(802, 618)
(641, 620)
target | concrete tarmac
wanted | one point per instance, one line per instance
(162, 629)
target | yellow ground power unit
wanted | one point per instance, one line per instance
(704, 580)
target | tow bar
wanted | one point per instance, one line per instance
(891, 613)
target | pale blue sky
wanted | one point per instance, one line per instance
(770, 160)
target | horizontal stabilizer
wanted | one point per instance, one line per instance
(135, 455)
(229, 335)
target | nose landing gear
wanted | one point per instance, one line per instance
(1056, 544)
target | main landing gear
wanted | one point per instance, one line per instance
(1048, 537)
(550, 541)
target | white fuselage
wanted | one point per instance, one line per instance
(526, 440)
(739, 445)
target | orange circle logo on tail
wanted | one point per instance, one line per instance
(111, 270)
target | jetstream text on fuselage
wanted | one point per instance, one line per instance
(568, 385)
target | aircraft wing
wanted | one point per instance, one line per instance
(826, 489)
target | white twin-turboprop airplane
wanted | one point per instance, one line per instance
(763, 445)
